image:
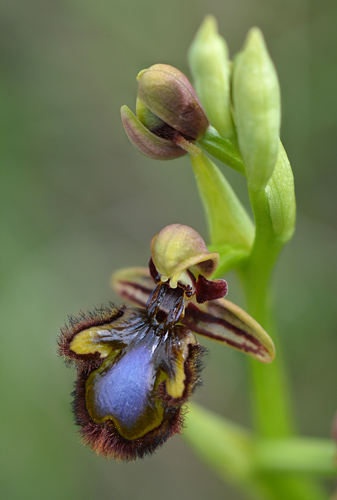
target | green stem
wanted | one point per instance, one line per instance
(299, 455)
(274, 223)
(272, 408)
(270, 390)
(264, 469)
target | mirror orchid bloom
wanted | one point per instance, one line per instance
(138, 365)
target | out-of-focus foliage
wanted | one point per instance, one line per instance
(77, 202)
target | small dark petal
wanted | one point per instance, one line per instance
(210, 289)
(153, 271)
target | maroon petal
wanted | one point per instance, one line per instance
(210, 289)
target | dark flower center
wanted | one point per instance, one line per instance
(166, 305)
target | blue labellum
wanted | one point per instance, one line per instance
(122, 392)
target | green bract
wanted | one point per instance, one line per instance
(281, 196)
(231, 229)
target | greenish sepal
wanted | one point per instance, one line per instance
(222, 149)
(231, 257)
(227, 219)
(226, 447)
(211, 70)
(281, 196)
(257, 109)
(297, 455)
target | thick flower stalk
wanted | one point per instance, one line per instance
(137, 366)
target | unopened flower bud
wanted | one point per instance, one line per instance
(168, 94)
(169, 115)
(257, 110)
(211, 70)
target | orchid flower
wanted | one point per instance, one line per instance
(138, 365)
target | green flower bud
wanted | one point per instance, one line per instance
(211, 70)
(257, 111)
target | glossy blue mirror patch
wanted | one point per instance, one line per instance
(123, 392)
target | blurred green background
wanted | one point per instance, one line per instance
(77, 202)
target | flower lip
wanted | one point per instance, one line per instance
(128, 400)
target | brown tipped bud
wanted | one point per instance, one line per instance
(169, 115)
(171, 101)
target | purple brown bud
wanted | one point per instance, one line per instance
(169, 115)
(168, 94)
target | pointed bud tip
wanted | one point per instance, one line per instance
(255, 34)
(255, 43)
(208, 28)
